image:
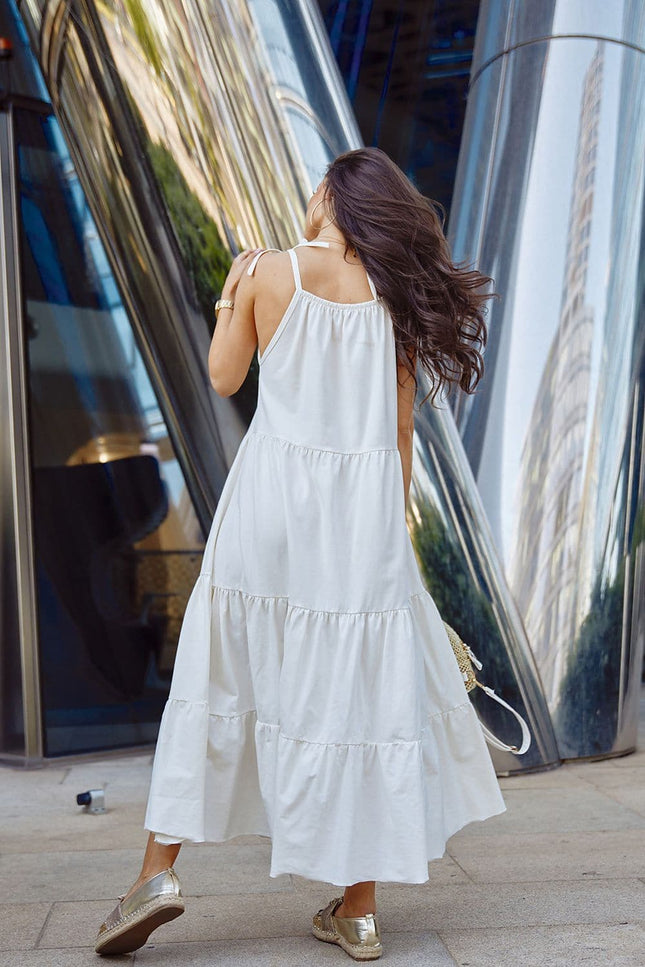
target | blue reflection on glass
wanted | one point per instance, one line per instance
(117, 543)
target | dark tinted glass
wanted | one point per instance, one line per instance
(117, 543)
(406, 67)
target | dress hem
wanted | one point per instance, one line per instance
(315, 876)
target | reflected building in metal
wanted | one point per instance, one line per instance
(197, 129)
(543, 565)
(549, 201)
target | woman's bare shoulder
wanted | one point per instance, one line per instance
(268, 257)
(272, 268)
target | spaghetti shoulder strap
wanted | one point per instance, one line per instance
(255, 259)
(296, 270)
(372, 286)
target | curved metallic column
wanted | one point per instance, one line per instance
(549, 200)
(200, 128)
(461, 568)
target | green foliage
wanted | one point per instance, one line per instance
(205, 258)
(586, 716)
(638, 534)
(145, 35)
(467, 609)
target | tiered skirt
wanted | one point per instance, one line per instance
(344, 734)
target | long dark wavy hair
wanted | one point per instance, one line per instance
(437, 307)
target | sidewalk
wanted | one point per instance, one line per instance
(558, 879)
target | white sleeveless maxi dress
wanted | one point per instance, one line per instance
(315, 696)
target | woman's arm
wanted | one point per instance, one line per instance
(406, 394)
(235, 338)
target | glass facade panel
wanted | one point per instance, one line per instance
(248, 112)
(117, 542)
(406, 68)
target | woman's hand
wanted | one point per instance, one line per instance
(236, 271)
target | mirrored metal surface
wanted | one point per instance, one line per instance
(549, 199)
(507, 24)
(461, 569)
(20, 732)
(199, 128)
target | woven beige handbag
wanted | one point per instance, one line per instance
(466, 659)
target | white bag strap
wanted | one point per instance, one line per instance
(493, 740)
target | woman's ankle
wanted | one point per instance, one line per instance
(358, 899)
(355, 908)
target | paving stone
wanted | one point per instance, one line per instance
(624, 760)
(558, 778)
(517, 904)
(631, 797)
(76, 924)
(81, 876)
(401, 950)
(21, 924)
(39, 808)
(104, 874)
(72, 957)
(19, 780)
(209, 870)
(606, 776)
(556, 811)
(279, 914)
(41, 783)
(582, 945)
(67, 834)
(551, 856)
(231, 917)
(625, 785)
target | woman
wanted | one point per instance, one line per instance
(315, 696)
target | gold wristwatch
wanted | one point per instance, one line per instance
(223, 304)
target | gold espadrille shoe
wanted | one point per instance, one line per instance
(358, 936)
(127, 928)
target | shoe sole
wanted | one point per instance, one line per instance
(132, 934)
(358, 953)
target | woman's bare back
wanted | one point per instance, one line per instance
(324, 272)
